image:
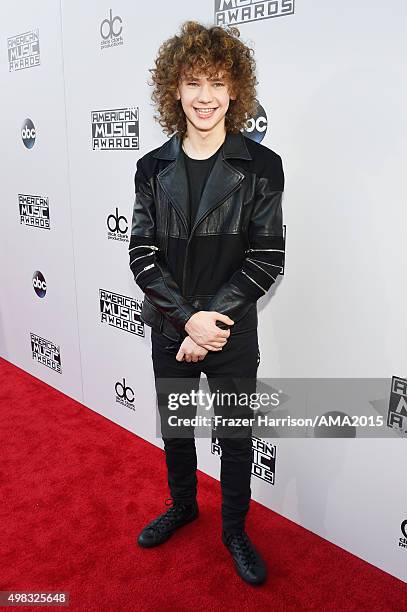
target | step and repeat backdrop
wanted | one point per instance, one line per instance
(76, 115)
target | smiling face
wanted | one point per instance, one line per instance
(205, 100)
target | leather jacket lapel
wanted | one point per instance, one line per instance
(173, 180)
(222, 181)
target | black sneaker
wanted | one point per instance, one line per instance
(248, 562)
(161, 529)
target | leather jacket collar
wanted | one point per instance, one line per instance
(233, 146)
(222, 181)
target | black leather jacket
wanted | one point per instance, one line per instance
(235, 249)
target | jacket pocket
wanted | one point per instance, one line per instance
(151, 316)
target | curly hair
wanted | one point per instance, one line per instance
(208, 50)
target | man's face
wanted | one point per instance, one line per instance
(199, 93)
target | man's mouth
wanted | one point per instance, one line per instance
(205, 112)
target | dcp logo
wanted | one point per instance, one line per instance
(28, 133)
(124, 392)
(39, 284)
(257, 125)
(113, 223)
(107, 27)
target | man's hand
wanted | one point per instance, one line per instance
(203, 329)
(191, 351)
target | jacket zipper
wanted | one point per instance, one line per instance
(144, 246)
(141, 257)
(194, 228)
(253, 262)
(185, 265)
(143, 270)
(252, 279)
(167, 227)
(252, 250)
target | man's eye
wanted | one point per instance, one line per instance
(195, 83)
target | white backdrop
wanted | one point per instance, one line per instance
(331, 84)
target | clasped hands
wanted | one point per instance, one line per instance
(203, 335)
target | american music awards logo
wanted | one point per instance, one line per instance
(397, 413)
(263, 457)
(233, 12)
(121, 311)
(46, 352)
(23, 50)
(115, 129)
(34, 210)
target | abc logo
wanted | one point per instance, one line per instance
(39, 284)
(113, 223)
(124, 392)
(107, 27)
(257, 125)
(28, 133)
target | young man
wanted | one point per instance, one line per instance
(206, 244)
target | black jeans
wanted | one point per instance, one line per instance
(237, 361)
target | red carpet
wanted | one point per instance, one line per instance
(76, 489)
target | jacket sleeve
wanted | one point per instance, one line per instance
(150, 271)
(264, 258)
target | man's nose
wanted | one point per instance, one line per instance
(205, 94)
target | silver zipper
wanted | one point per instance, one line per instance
(144, 246)
(143, 270)
(276, 250)
(260, 268)
(262, 288)
(141, 257)
(266, 263)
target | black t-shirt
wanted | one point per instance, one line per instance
(198, 171)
